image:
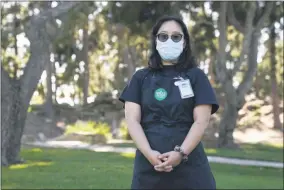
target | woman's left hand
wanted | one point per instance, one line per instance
(171, 158)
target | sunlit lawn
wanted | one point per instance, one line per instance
(251, 151)
(82, 169)
(247, 151)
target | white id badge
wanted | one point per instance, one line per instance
(185, 89)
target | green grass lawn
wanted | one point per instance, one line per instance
(246, 151)
(250, 151)
(82, 169)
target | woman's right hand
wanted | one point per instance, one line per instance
(153, 158)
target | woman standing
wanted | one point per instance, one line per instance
(167, 108)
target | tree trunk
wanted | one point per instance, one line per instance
(229, 117)
(86, 61)
(247, 80)
(54, 92)
(115, 125)
(12, 122)
(227, 126)
(235, 98)
(20, 93)
(274, 95)
(15, 44)
(48, 98)
(16, 94)
(257, 84)
(129, 59)
(211, 71)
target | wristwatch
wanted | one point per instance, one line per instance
(179, 149)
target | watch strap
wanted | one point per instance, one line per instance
(180, 150)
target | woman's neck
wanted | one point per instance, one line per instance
(174, 62)
(167, 63)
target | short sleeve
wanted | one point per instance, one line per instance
(203, 91)
(131, 91)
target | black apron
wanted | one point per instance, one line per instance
(166, 124)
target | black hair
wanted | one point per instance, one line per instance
(185, 61)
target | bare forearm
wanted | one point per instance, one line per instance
(194, 136)
(138, 136)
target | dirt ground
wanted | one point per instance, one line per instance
(252, 135)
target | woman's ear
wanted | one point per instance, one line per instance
(184, 44)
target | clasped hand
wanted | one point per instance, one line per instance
(164, 162)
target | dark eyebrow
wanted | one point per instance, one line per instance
(174, 32)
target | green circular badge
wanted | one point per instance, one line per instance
(160, 94)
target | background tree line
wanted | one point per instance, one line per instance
(81, 54)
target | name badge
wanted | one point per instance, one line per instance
(185, 88)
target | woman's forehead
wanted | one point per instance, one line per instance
(170, 27)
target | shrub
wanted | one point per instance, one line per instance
(89, 127)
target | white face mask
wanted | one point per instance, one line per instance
(169, 50)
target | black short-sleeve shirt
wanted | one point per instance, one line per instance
(132, 91)
(204, 93)
(140, 81)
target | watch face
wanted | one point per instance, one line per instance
(177, 148)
